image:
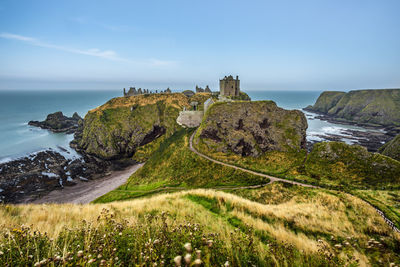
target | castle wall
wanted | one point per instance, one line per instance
(190, 118)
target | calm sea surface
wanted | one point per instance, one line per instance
(18, 139)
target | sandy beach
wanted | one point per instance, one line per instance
(86, 192)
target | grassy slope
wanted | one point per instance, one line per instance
(274, 225)
(174, 165)
(117, 128)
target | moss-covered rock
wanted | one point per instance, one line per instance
(120, 127)
(339, 163)
(391, 148)
(381, 107)
(326, 101)
(252, 128)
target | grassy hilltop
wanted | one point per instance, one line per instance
(375, 107)
(178, 197)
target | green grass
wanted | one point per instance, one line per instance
(175, 165)
(388, 201)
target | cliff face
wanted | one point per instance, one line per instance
(392, 148)
(351, 164)
(122, 125)
(326, 101)
(380, 107)
(251, 128)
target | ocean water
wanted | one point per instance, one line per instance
(301, 99)
(18, 139)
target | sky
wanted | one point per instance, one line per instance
(271, 45)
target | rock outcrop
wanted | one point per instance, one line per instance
(391, 148)
(252, 128)
(351, 165)
(42, 172)
(366, 107)
(58, 123)
(118, 128)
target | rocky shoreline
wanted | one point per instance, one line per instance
(40, 173)
(58, 123)
(372, 140)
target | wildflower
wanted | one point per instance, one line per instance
(1, 253)
(188, 247)
(226, 264)
(198, 253)
(338, 246)
(80, 254)
(102, 262)
(120, 233)
(197, 262)
(99, 256)
(210, 243)
(57, 258)
(188, 258)
(178, 260)
(116, 258)
(91, 261)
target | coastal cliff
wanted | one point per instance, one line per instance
(252, 128)
(340, 163)
(370, 107)
(119, 127)
(391, 148)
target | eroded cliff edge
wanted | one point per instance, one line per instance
(118, 128)
(252, 128)
(369, 107)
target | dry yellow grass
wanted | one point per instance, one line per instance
(323, 213)
(176, 100)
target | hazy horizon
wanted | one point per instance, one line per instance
(291, 45)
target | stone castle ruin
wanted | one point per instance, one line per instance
(229, 86)
(201, 90)
(132, 91)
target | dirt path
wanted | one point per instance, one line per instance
(272, 178)
(276, 179)
(86, 192)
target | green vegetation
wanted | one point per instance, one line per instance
(252, 128)
(277, 225)
(175, 167)
(351, 166)
(374, 107)
(326, 101)
(118, 128)
(392, 148)
(388, 201)
(156, 239)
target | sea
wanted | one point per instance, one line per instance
(17, 108)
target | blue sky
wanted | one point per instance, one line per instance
(271, 45)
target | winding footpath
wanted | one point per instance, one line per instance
(276, 179)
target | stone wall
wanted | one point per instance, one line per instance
(190, 118)
(229, 86)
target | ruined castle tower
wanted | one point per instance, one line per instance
(229, 86)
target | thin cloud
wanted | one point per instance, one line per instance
(86, 21)
(95, 52)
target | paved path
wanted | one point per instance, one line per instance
(276, 179)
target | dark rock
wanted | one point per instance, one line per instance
(57, 122)
(252, 128)
(45, 171)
